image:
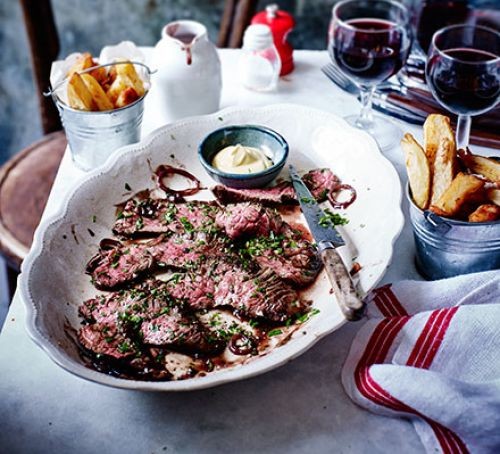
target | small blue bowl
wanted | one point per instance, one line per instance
(274, 144)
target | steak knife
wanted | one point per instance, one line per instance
(328, 239)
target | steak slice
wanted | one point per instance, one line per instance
(176, 329)
(120, 323)
(321, 182)
(153, 216)
(227, 284)
(288, 254)
(281, 194)
(248, 219)
(106, 339)
(126, 262)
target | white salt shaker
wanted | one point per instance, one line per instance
(259, 63)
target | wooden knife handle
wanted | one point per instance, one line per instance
(342, 285)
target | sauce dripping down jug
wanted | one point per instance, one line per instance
(188, 80)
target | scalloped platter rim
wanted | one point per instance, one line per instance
(53, 282)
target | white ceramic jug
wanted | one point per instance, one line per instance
(188, 81)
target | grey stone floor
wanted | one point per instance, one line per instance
(91, 24)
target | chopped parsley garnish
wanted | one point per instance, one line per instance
(139, 224)
(307, 316)
(307, 200)
(124, 347)
(94, 218)
(329, 218)
(188, 227)
(274, 332)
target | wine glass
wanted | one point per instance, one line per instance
(427, 17)
(463, 73)
(369, 40)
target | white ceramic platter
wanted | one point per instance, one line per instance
(53, 282)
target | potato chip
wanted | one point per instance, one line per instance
(461, 189)
(444, 168)
(100, 98)
(418, 169)
(436, 127)
(487, 167)
(485, 213)
(79, 96)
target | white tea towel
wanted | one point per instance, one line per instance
(430, 352)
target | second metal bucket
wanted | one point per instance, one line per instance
(447, 247)
(93, 136)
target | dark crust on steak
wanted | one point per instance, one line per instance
(322, 183)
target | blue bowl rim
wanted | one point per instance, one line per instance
(244, 176)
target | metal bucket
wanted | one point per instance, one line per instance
(447, 247)
(93, 136)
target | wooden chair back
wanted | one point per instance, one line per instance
(44, 49)
(235, 19)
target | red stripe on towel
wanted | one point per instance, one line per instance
(431, 337)
(387, 302)
(378, 346)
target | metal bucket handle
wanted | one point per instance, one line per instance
(437, 222)
(52, 90)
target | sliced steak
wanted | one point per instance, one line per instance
(176, 329)
(321, 182)
(259, 295)
(126, 262)
(281, 194)
(121, 264)
(226, 284)
(151, 216)
(106, 339)
(287, 253)
(248, 219)
(148, 314)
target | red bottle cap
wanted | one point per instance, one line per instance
(281, 24)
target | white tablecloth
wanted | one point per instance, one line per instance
(301, 407)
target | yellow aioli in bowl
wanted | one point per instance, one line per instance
(241, 159)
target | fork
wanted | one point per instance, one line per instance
(380, 99)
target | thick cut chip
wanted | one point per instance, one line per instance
(418, 168)
(126, 97)
(435, 128)
(444, 169)
(462, 188)
(485, 213)
(127, 70)
(83, 62)
(493, 194)
(79, 96)
(120, 84)
(100, 98)
(487, 167)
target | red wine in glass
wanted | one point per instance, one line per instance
(463, 73)
(464, 80)
(370, 50)
(436, 14)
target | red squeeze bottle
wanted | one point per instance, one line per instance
(281, 23)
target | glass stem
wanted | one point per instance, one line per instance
(365, 119)
(463, 131)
